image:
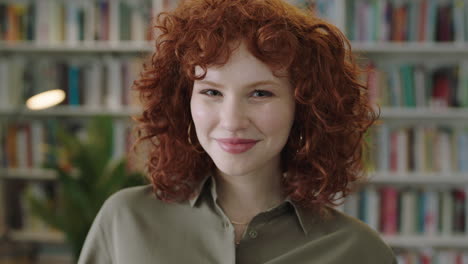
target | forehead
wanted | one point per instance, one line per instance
(241, 67)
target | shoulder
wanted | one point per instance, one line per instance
(359, 238)
(132, 200)
(129, 196)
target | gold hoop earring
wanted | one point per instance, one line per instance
(188, 132)
(190, 140)
(301, 141)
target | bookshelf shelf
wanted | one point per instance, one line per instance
(411, 48)
(146, 47)
(425, 114)
(420, 178)
(85, 47)
(409, 178)
(27, 173)
(409, 114)
(72, 111)
(415, 241)
(34, 236)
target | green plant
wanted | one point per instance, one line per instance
(87, 176)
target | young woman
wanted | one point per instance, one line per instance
(256, 119)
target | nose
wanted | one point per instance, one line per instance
(234, 115)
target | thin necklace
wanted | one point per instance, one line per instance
(246, 223)
(239, 223)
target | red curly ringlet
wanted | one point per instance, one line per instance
(323, 155)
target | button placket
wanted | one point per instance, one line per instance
(253, 234)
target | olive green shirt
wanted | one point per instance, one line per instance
(134, 227)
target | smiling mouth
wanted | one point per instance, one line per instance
(236, 146)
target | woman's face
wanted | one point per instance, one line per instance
(242, 114)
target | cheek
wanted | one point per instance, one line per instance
(201, 114)
(276, 119)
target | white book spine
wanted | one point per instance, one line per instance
(419, 149)
(351, 206)
(462, 89)
(90, 21)
(408, 220)
(431, 211)
(114, 20)
(370, 23)
(373, 216)
(444, 151)
(466, 213)
(138, 25)
(402, 150)
(21, 147)
(420, 86)
(17, 68)
(37, 143)
(158, 6)
(383, 25)
(339, 14)
(4, 87)
(3, 225)
(2, 157)
(384, 148)
(464, 257)
(41, 26)
(396, 86)
(71, 22)
(447, 212)
(119, 139)
(463, 153)
(54, 21)
(93, 85)
(458, 21)
(114, 83)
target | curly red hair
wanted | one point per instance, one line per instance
(323, 155)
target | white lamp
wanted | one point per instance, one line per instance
(45, 99)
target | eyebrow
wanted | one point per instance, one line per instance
(257, 83)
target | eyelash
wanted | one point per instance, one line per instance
(206, 92)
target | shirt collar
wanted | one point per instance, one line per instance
(306, 216)
(204, 184)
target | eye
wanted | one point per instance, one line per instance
(210, 92)
(262, 93)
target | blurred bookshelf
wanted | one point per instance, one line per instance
(417, 54)
(93, 50)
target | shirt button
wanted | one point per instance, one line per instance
(226, 225)
(253, 234)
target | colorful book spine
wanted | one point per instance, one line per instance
(407, 20)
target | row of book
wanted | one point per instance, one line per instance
(443, 256)
(72, 22)
(427, 212)
(330, 10)
(421, 148)
(19, 214)
(30, 144)
(416, 85)
(93, 82)
(407, 20)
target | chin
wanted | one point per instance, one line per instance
(232, 170)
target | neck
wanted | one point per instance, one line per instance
(244, 196)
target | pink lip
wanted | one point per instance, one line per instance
(236, 145)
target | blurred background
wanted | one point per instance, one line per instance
(66, 133)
